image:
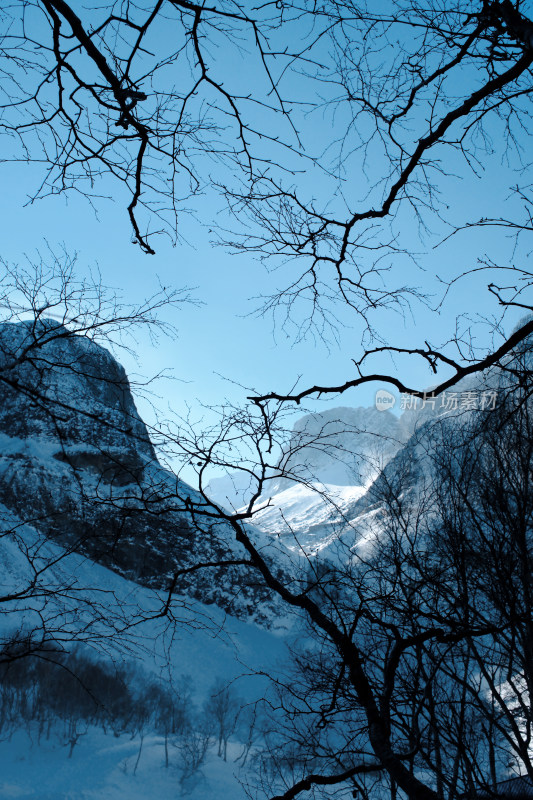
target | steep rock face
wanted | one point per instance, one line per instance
(76, 462)
(84, 392)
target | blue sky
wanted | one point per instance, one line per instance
(222, 338)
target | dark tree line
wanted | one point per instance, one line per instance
(65, 696)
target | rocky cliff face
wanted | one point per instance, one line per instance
(76, 462)
(344, 446)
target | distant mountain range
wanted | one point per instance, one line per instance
(77, 464)
(339, 456)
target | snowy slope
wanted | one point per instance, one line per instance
(306, 518)
(101, 768)
(76, 462)
(94, 604)
(78, 601)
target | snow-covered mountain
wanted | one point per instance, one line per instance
(335, 457)
(332, 457)
(77, 464)
(342, 447)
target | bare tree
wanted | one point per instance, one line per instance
(484, 502)
(223, 707)
(413, 673)
(137, 94)
(421, 91)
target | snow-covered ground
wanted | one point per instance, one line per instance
(102, 768)
(83, 601)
